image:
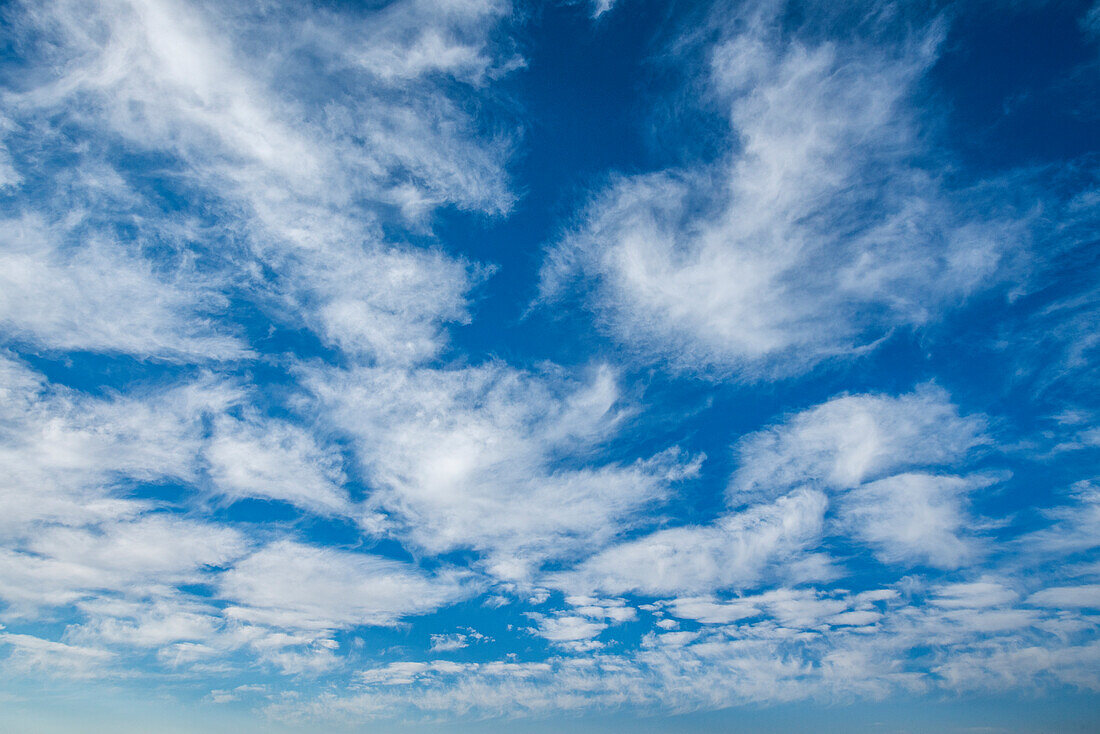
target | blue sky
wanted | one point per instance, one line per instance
(462, 365)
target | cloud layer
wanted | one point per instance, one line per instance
(342, 378)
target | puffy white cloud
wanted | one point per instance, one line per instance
(388, 305)
(577, 627)
(77, 542)
(155, 623)
(811, 240)
(569, 628)
(614, 610)
(800, 608)
(449, 643)
(711, 611)
(72, 459)
(779, 487)
(861, 447)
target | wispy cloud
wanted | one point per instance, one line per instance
(444, 449)
(826, 226)
(271, 459)
(305, 181)
(271, 440)
(850, 439)
(834, 448)
(64, 286)
(291, 585)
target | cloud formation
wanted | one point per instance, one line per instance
(803, 411)
(825, 226)
(444, 449)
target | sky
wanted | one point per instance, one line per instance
(579, 365)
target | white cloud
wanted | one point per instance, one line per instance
(9, 177)
(855, 619)
(449, 643)
(389, 305)
(599, 7)
(289, 584)
(294, 138)
(1004, 667)
(711, 611)
(92, 294)
(612, 610)
(37, 655)
(64, 452)
(60, 565)
(974, 594)
(804, 608)
(152, 624)
(1068, 597)
(914, 518)
(416, 39)
(812, 240)
(569, 628)
(735, 551)
(576, 627)
(797, 644)
(275, 460)
(295, 133)
(304, 158)
(862, 446)
(75, 537)
(851, 439)
(1075, 528)
(186, 77)
(446, 449)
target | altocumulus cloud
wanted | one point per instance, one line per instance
(427, 361)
